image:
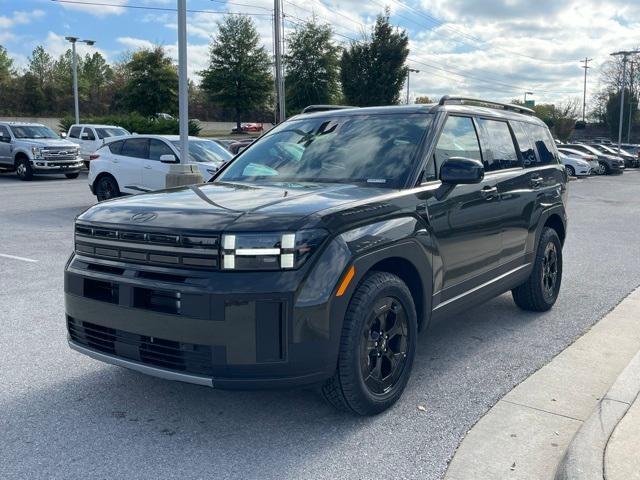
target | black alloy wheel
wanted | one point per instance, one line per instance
(106, 188)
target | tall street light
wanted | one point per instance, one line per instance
(409, 71)
(525, 96)
(73, 41)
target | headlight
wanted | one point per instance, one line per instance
(269, 251)
(37, 152)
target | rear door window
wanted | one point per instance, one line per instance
(497, 142)
(75, 132)
(525, 144)
(135, 147)
(157, 148)
(458, 139)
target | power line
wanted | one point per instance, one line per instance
(163, 9)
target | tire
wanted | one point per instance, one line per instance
(71, 175)
(540, 292)
(602, 169)
(106, 188)
(571, 171)
(377, 347)
(86, 164)
(23, 169)
(606, 169)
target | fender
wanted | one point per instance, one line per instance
(558, 210)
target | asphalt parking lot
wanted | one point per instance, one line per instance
(63, 415)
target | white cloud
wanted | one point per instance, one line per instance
(57, 45)
(134, 43)
(114, 7)
(19, 18)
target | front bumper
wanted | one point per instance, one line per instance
(183, 326)
(52, 167)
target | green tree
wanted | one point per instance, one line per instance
(95, 79)
(40, 65)
(374, 71)
(424, 100)
(152, 86)
(312, 67)
(613, 112)
(6, 66)
(238, 76)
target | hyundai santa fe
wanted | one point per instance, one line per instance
(317, 255)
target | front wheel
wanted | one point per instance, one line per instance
(377, 347)
(602, 169)
(106, 188)
(571, 171)
(540, 291)
(24, 170)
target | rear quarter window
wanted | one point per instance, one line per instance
(547, 153)
(115, 147)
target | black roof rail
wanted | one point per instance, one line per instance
(505, 106)
(324, 108)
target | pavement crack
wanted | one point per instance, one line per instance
(543, 410)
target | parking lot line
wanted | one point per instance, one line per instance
(30, 260)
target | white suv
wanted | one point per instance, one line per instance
(90, 137)
(140, 163)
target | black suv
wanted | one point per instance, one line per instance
(317, 254)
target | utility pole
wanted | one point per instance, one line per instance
(408, 80)
(625, 56)
(584, 95)
(74, 61)
(277, 29)
(182, 172)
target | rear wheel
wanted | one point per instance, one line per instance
(602, 169)
(571, 171)
(541, 289)
(106, 188)
(23, 169)
(377, 347)
(71, 175)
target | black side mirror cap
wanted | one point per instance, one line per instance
(460, 170)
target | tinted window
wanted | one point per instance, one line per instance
(499, 151)
(115, 147)
(4, 131)
(158, 148)
(458, 139)
(74, 132)
(206, 151)
(88, 134)
(545, 145)
(376, 150)
(135, 147)
(106, 132)
(527, 150)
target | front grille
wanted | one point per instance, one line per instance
(59, 153)
(149, 248)
(182, 357)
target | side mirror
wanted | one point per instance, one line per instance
(63, 134)
(168, 158)
(460, 170)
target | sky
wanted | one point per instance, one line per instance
(494, 49)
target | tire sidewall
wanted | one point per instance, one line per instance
(106, 179)
(26, 164)
(548, 236)
(362, 400)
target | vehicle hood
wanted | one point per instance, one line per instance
(43, 142)
(230, 206)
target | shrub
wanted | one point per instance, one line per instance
(136, 123)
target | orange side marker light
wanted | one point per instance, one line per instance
(346, 280)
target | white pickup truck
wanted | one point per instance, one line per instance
(90, 137)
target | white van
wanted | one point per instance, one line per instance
(90, 137)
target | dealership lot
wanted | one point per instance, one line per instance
(63, 415)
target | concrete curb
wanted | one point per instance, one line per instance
(584, 458)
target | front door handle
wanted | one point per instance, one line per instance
(489, 192)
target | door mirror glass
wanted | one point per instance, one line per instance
(460, 170)
(168, 158)
(63, 134)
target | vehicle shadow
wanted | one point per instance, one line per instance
(102, 412)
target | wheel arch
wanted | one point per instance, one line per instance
(555, 222)
(102, 175)
(19, 155)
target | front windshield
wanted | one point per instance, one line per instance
(206, 151)
(33, 131)
(369, 149)
(106, 132)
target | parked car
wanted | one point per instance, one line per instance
(140, 163)
(90, 137)
(631, 148)
(237, 147)
(592, 160)
(609, 164)
(630, 161)
(248, 128)
(34, 149)
(575, 167)
(316, 255)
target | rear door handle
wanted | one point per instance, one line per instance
(489, 192)
(536, 181)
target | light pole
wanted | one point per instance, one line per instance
(74, 61)
(409, 71)
(631, 104)
(584, 94)
(281, 113)
(525, 96)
